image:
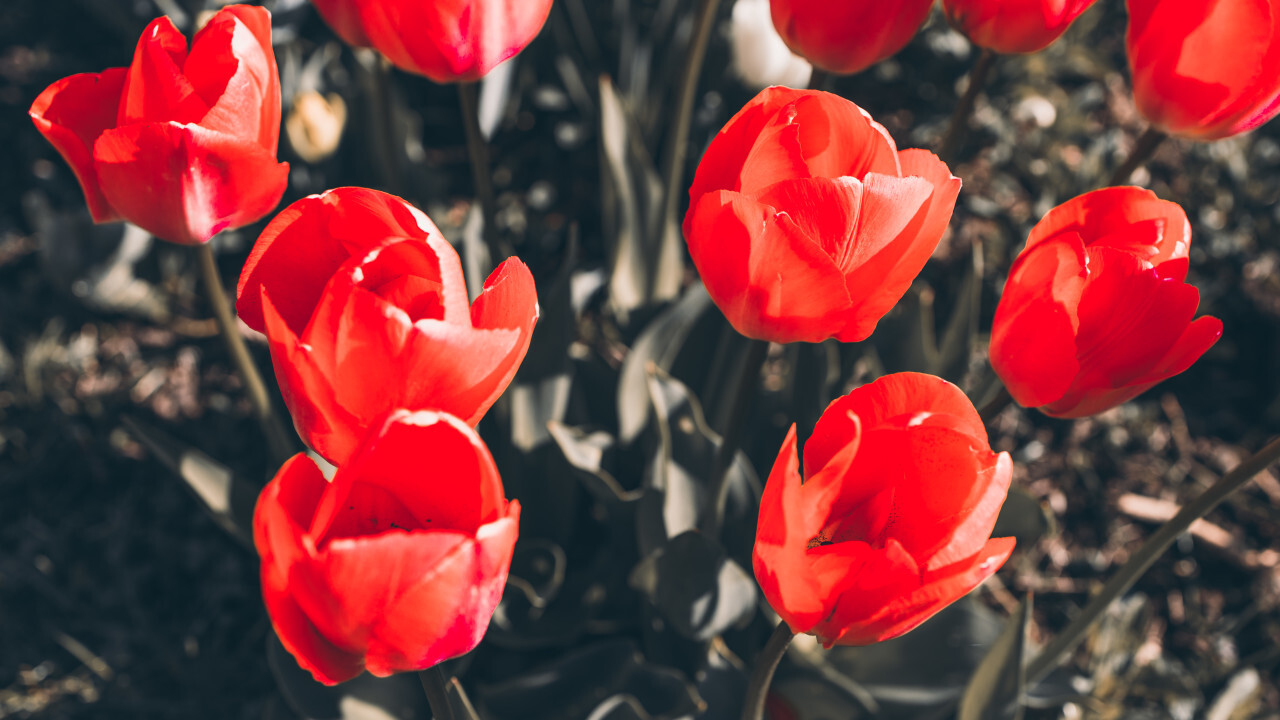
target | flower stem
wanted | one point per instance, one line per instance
(279, 442)
(748, 380)
(478, 153)
(996, 405)
(435, 684)
(678, 137)
(1147, 554)
(762, 676)
(1141, 153)
(819, 79)
(959, 121)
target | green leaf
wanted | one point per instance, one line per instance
(996, 689)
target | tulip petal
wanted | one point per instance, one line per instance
(446, 613)
(897, 236)
(789, 519)
(721, 164)
(155, 89)
(1120, 208)
(232, 66)
(826, 210)
(906, 612)
(71, 114)
(887, 575)
(1114, 348)
(839, 139)
(770, 280)
(435, 500)
(1033, 347)
(327, 427)
(184, 183)
(303, 246)
(279, 521)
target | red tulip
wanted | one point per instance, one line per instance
(848, 36)
(365, 307)
(395, 565)
(892, 521)
(1205, 69)
(1013, 26)
(805, 220)
(1096, 309)
(182, 144)
(448, 41)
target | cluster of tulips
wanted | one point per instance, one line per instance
(805, 223)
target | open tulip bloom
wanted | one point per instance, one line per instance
(1205, 69)
(366, 310)
(399, 562)
(1096, 309)
(182, 144)
(805, 220)
(892, 519)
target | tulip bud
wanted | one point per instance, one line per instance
(1096, 309)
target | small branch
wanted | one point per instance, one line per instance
(478, 153)
(1146, 555)
(279, 440)
(997, 405)
(762, 676)
(740, 403)
(1141, 153)
(959, 122)
(434, 683)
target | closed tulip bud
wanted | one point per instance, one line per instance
(848, 36)
(458, 41)
(1013, 26)
(1096, 309)
(805, 220)
(366, 310)
(1205, 69)
(892, 519)
(182, 142)
(398, 563)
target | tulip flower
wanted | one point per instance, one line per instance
(458, 41)
(365, 307)
(892, 521)
(806, 222)
(1096, 309)
(1205, 69)
(848, 36)
(395, 565)
(182, 144)
(1013, 26)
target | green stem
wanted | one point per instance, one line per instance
(478, 153)
(996, 405)
(959, 121)
(1141, 153)
(748, 380)
(279, 440)
(762, 676)
(819, 79)
(678, 138)
(435, 684)
(1147, 554)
